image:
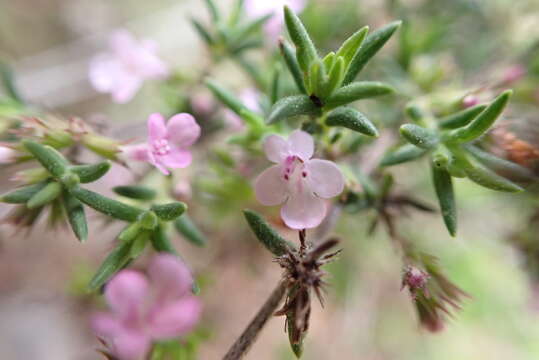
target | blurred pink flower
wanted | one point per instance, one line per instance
(250, 98)
(513, 74)
(274, 26)
(7, 155)
(167, 143)
(298, 181)
(469, 101)
(145, 309)
(123, 69)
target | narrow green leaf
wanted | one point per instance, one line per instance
(214, 11)
(482, 122)
(357, 91)
(328, 60)
(275, 83)
(419, 136)
(185, 226)
(115, 261)
(265, 234)
(170, 211)
(368, 49)
(352, 119)
(130, 232)
(203, 32)
(443, 185)
(22, 195)
(92, 172)
(336, 75)
(161, 242)
(305, 50)
(139, 244)
(44, 196)
(317, 79)
(486, 178)
(139, 192)
(8, 81)
(52, 160)
(402, 154)
(75, 216)
(148, 220)
(292, 106)
(289, 56)
(415, 113)
(500, 165)
(226, 97)
(352, 45)
(461, 118)
(110, 207)
(251, 27)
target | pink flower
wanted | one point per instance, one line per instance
(145, 309)
(272, 27)
(250, 98)
(513, 74)
(123, 69)
(167, 143)
(298, 181)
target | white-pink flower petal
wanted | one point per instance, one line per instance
(324, 178)
(303, 210)
(275, 148)
(301, 144)
(183, 130)
(270, 189)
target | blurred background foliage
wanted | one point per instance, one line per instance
(444, 51)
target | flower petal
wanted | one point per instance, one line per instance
(125, 88)
(183, 130)
(130, 345)
(270, 188)
(176, 158)
(324, 178)
(126, 293)
(156, 127)
(276, 148)
(174, 319)
(301, 144)
(303, 210)
(170, 277)
(105, 325)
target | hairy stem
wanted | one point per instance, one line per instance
(242, 345)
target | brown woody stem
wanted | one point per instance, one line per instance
(242, 345)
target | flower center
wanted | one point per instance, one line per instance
(161, 147)
(294, 172)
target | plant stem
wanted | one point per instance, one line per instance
(249, 335)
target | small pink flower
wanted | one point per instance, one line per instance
(513, 74)
(274, 26)
(250, 98)
(7, 155)
(469, 101)
(122, 70)
(145, 309)
(167, 143)
(298, 181)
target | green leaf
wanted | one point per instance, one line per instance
(161, 242)
(226, 97)
(214, 11)
(351, 45)
(443, 185)
(55, 163)
(92, 172)
(139, 244)
(486, 178)
(368, 49)
(244, 31)
(328, 60)
(482, 122)
(336, 75)
(419, 136)
(110, 207)
(352, 119)
(275, 83)
(289, 56)
(115, 261)
(357, 91)
(500, 165)
(22, 195)
(292, 106)
(8, 81)
(265, 234)
(44, 196)
(170, 211)
(305, 50)
(317, 79)
(148, 220)
(185, 226)
(76, 216)
(404, 153)
(138, 192)
(203, 32)
(415, 113)
(130, 232)
(461, 118)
